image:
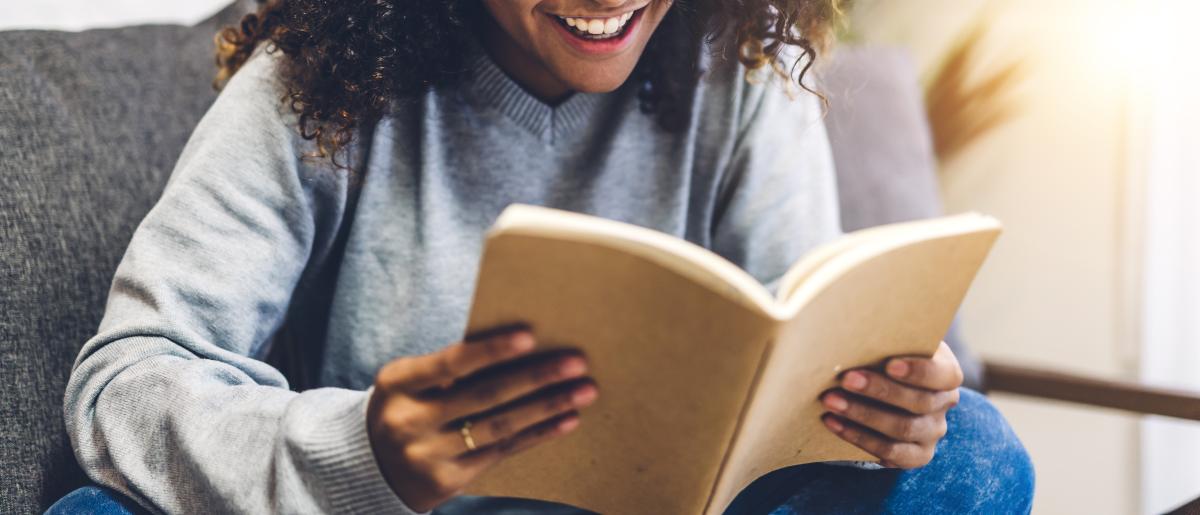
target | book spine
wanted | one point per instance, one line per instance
(709, 508)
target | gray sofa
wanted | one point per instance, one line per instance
(91, 124)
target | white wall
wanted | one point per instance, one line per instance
(1168, 113)
(85, 14)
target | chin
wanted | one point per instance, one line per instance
(607, 85)
(602, 80)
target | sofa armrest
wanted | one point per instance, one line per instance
(1122, 395)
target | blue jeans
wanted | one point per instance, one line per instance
(980, 467)
(95, 500)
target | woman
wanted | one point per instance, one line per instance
(342, 183)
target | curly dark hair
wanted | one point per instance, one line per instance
(347, 62)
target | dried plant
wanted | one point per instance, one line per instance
(962, 110)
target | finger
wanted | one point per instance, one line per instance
(510, 383)
(890, 452)
(509, 422)
(939, 373)
(888, 391)
(459, 360)
(477, 461)
(405, 418)
(901, 426)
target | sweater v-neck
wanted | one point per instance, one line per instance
(493, 87)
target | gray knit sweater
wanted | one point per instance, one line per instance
(170, 402)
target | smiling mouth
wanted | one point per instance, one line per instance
(598, 29)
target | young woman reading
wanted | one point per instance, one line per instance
(342, 182)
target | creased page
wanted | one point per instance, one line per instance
(862, 307)
(673, 361)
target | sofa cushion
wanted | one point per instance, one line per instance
(91, 124)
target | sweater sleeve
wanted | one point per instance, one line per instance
(778, 199)
(167, 403)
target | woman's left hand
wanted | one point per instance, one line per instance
(898, 417)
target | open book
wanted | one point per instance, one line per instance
(706, 381)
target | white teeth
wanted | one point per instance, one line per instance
(598, 26)
(611, 25)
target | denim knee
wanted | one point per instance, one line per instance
(979, 467)
(986, 453)
(94, 500)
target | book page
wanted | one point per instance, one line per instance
(879, 298)
(673, 359)
(697, 263)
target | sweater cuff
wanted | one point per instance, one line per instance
(345, 464)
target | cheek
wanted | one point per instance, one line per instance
(514, 17)
(656, 12)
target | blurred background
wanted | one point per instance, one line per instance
(1076, 123)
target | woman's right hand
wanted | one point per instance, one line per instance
(514, 400)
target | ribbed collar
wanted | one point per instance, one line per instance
(490, 85)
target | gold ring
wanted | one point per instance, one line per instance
(466, 435)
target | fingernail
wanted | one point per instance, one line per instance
(855, 381)
(572, 367)
(834, 424)
(836, 402)
(568, 424)
(583, 396)
(898, 368)
(522, 342)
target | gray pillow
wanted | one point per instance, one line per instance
(91, 124)
(883, 149)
